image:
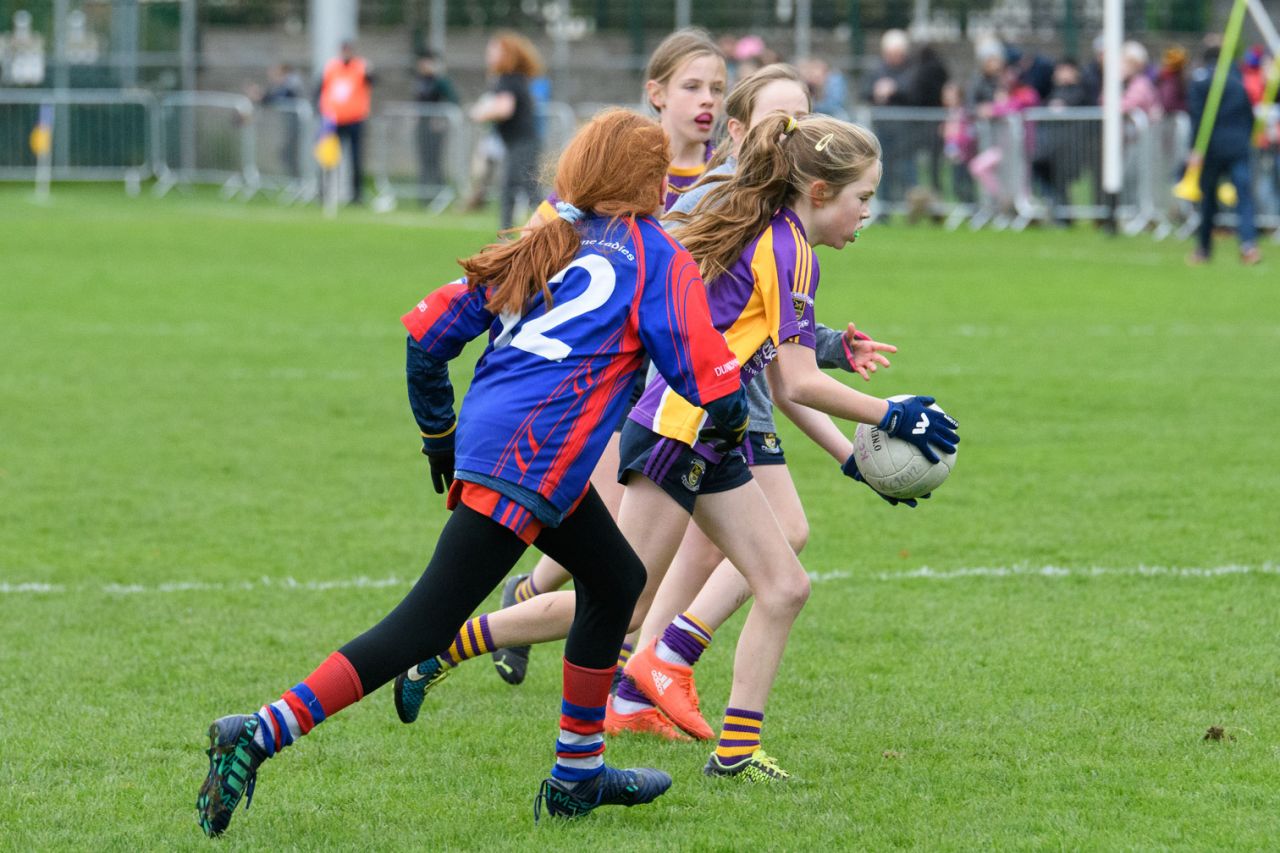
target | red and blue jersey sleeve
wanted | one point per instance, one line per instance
(439, 327)
(448, 319)
(677, 331)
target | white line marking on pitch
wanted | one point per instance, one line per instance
(363, 582)
(926, 573)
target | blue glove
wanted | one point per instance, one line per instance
(850, 469)
(912, 420)
(730, 419)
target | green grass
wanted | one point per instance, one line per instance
(203, 393)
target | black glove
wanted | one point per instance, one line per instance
(441, 462)
(439, 452)
(729, 422)
(850, 469)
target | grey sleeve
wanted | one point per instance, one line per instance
(760, 405)
(830, 349)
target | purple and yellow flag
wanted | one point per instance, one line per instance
(41, 139)
(328, 150)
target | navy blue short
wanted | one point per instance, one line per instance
(676, 468)
(763, 448)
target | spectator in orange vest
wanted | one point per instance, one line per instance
(345, 101)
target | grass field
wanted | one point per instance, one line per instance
(209, 479)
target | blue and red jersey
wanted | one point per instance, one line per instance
(554, 381)
(763, 299)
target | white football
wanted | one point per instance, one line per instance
(895, 467)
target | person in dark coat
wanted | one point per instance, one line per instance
(927, 81)
(1227, 156)
(889, 85)
(431, 86)
(1061, 148)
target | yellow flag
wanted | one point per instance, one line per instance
(41, 140)
(328, 151)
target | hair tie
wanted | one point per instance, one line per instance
(792, 124)
(821, 144)
(568, 212)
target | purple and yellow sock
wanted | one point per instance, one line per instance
(684, 640)
(525, 590)
(624, 655)
(472, 641)
(629, 700)
(740, 736)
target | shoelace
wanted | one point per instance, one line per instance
(768, 760)
(537, 800)
(250, 784)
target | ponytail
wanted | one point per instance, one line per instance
(612, 167)
(780, 159)
(733, 212)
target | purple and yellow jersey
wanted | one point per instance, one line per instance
(765, 298)
(678, 179)
(553, 381)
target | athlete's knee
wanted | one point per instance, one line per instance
(797, 533)
(786, 593)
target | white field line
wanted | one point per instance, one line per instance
(926, 573)
(923, 573)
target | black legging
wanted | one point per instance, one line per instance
(474, 553)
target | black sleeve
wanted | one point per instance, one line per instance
(430, 396)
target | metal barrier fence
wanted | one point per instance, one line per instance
(98, 134)
(1042, 165)
(421, 152)
(283, 134)
(206, 138)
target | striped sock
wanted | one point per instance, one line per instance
(740, 735)
(624, 655)
(580, 747)
(472, 641)
(525, 590)
(333, 686)
(629, 700)
(684, 640)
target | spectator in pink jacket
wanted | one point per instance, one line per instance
(1139, 92)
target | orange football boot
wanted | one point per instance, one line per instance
(649, 721)
(669, 686)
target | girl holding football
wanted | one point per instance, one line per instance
(721, 591)
(798, 184)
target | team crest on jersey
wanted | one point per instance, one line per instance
(801, 303)
(692, 479)
(769, 443)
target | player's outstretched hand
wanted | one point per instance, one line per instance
(850, 469)
(865, 355)
(912, 420)
(730, 419)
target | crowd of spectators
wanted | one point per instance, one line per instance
(956, 145)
